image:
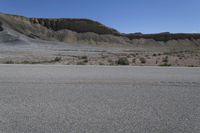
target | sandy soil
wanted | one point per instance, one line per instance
(71, 54)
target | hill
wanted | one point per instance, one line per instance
(77, 25)
(74, 30)
(84, 41)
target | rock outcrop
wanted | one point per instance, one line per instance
(77, 25)
(85, 30)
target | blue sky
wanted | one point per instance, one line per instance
(147, 16)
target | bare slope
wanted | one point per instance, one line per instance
(77, 25)
(64, 30)
(85, 31)
(83, 41)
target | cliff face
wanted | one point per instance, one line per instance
(64, 30)
(77, 25)
(85, 30)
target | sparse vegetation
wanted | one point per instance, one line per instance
(85, 60)
(154, 54)
(122, 61)
(57, 59)
(171, 53)
(84, 57)
(180, 58)
(9, 62)
(165, 59)
(191, 66)
(101, 64)
(142, 60)
(111, 62)
(134, 60)
(165, 65)
(81, 63)
(33, 62)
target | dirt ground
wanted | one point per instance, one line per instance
(80, 54)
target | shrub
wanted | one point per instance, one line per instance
(26, 62)
(154, 54)
(57, 59)
(9, 62)
(101, 64)
(122, 61)
(84, 57)
(165, 60)
(80, 63)
(191, 66)
(111, 62)
(134, 60)
(165, 65)
(142, 60)
(85, 60)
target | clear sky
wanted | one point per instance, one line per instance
(147, 16)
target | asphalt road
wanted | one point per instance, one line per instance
(92, 99)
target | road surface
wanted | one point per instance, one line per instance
(97, 99)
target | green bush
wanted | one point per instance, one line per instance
(122, 61)
(165, 65)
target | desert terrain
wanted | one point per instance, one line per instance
(61, 75)
(85, 42)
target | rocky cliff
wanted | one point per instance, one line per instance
(77, 25)
(86, 31)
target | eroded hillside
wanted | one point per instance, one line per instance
(77, 25)
(64, 30)
(82, 41)
(84, 31)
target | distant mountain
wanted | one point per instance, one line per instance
(164, 36)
